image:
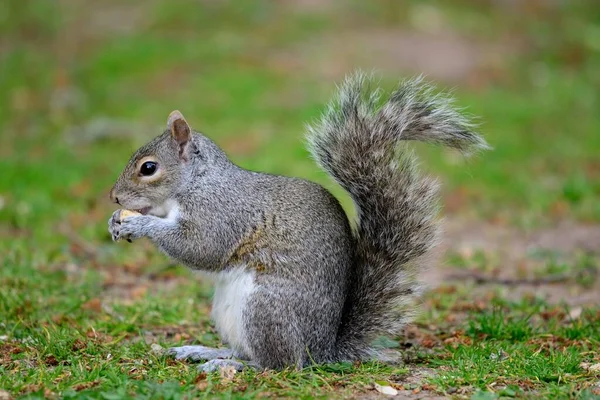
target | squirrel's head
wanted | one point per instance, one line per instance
(157, 170)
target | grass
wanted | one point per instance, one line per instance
(503, 348)
(64, 340)
(82, 85)
(530, 347)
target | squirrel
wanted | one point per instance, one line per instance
(295, 282)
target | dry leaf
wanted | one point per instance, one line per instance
(201, 383)
(139, 292)
(575, 313)
(85, 385)
(227, 373)
(594, 368)
(93, 305)
(157, 349)
(385, 389)
(4, 395)
(51, 361)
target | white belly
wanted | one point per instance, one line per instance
(232, 290)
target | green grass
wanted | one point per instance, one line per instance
(69, 335)
(82, 85)
(63, 338)
(512, 347)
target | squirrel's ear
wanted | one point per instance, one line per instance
(180, 131)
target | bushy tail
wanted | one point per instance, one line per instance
(358, 142)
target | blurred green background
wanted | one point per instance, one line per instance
(84, 83)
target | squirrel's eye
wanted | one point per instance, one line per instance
(148, 168)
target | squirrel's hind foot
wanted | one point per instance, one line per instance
(219, 364)
(199, 353)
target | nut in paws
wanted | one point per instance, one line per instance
(126, 224)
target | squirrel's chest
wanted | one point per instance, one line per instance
(232, 291)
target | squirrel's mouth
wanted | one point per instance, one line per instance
(144, 210)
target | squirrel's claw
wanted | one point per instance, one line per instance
(114, 226)
(219, 363)
(130, 228)
(198, 353)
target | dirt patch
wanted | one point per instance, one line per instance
(111, 18)
(444, 55)
(310, 6)
(521, 262)
(565, 237)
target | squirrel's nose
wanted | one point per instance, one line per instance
(112, 196)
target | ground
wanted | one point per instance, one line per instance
(511, 306)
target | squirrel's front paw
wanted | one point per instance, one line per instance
(114, 225)
(131, 227)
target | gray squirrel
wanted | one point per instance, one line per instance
(295, 282)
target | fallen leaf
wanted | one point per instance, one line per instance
(157, 349)
(85, 385)
(51, 361)
(594, 368)
(30, 388)
(428, 342)
(227, 373)
(139, 292)
(575, 313)
(385, 389)
(4, 395)
(201, 383)
(93, 305)
(181, 336)
(64, 375)
(78, 344)
(559, 208)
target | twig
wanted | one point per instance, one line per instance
(482, 279)
(88, 249)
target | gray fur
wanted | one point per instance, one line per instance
(218, 364)
(323, 291)
(359, 144)
(198, 353)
